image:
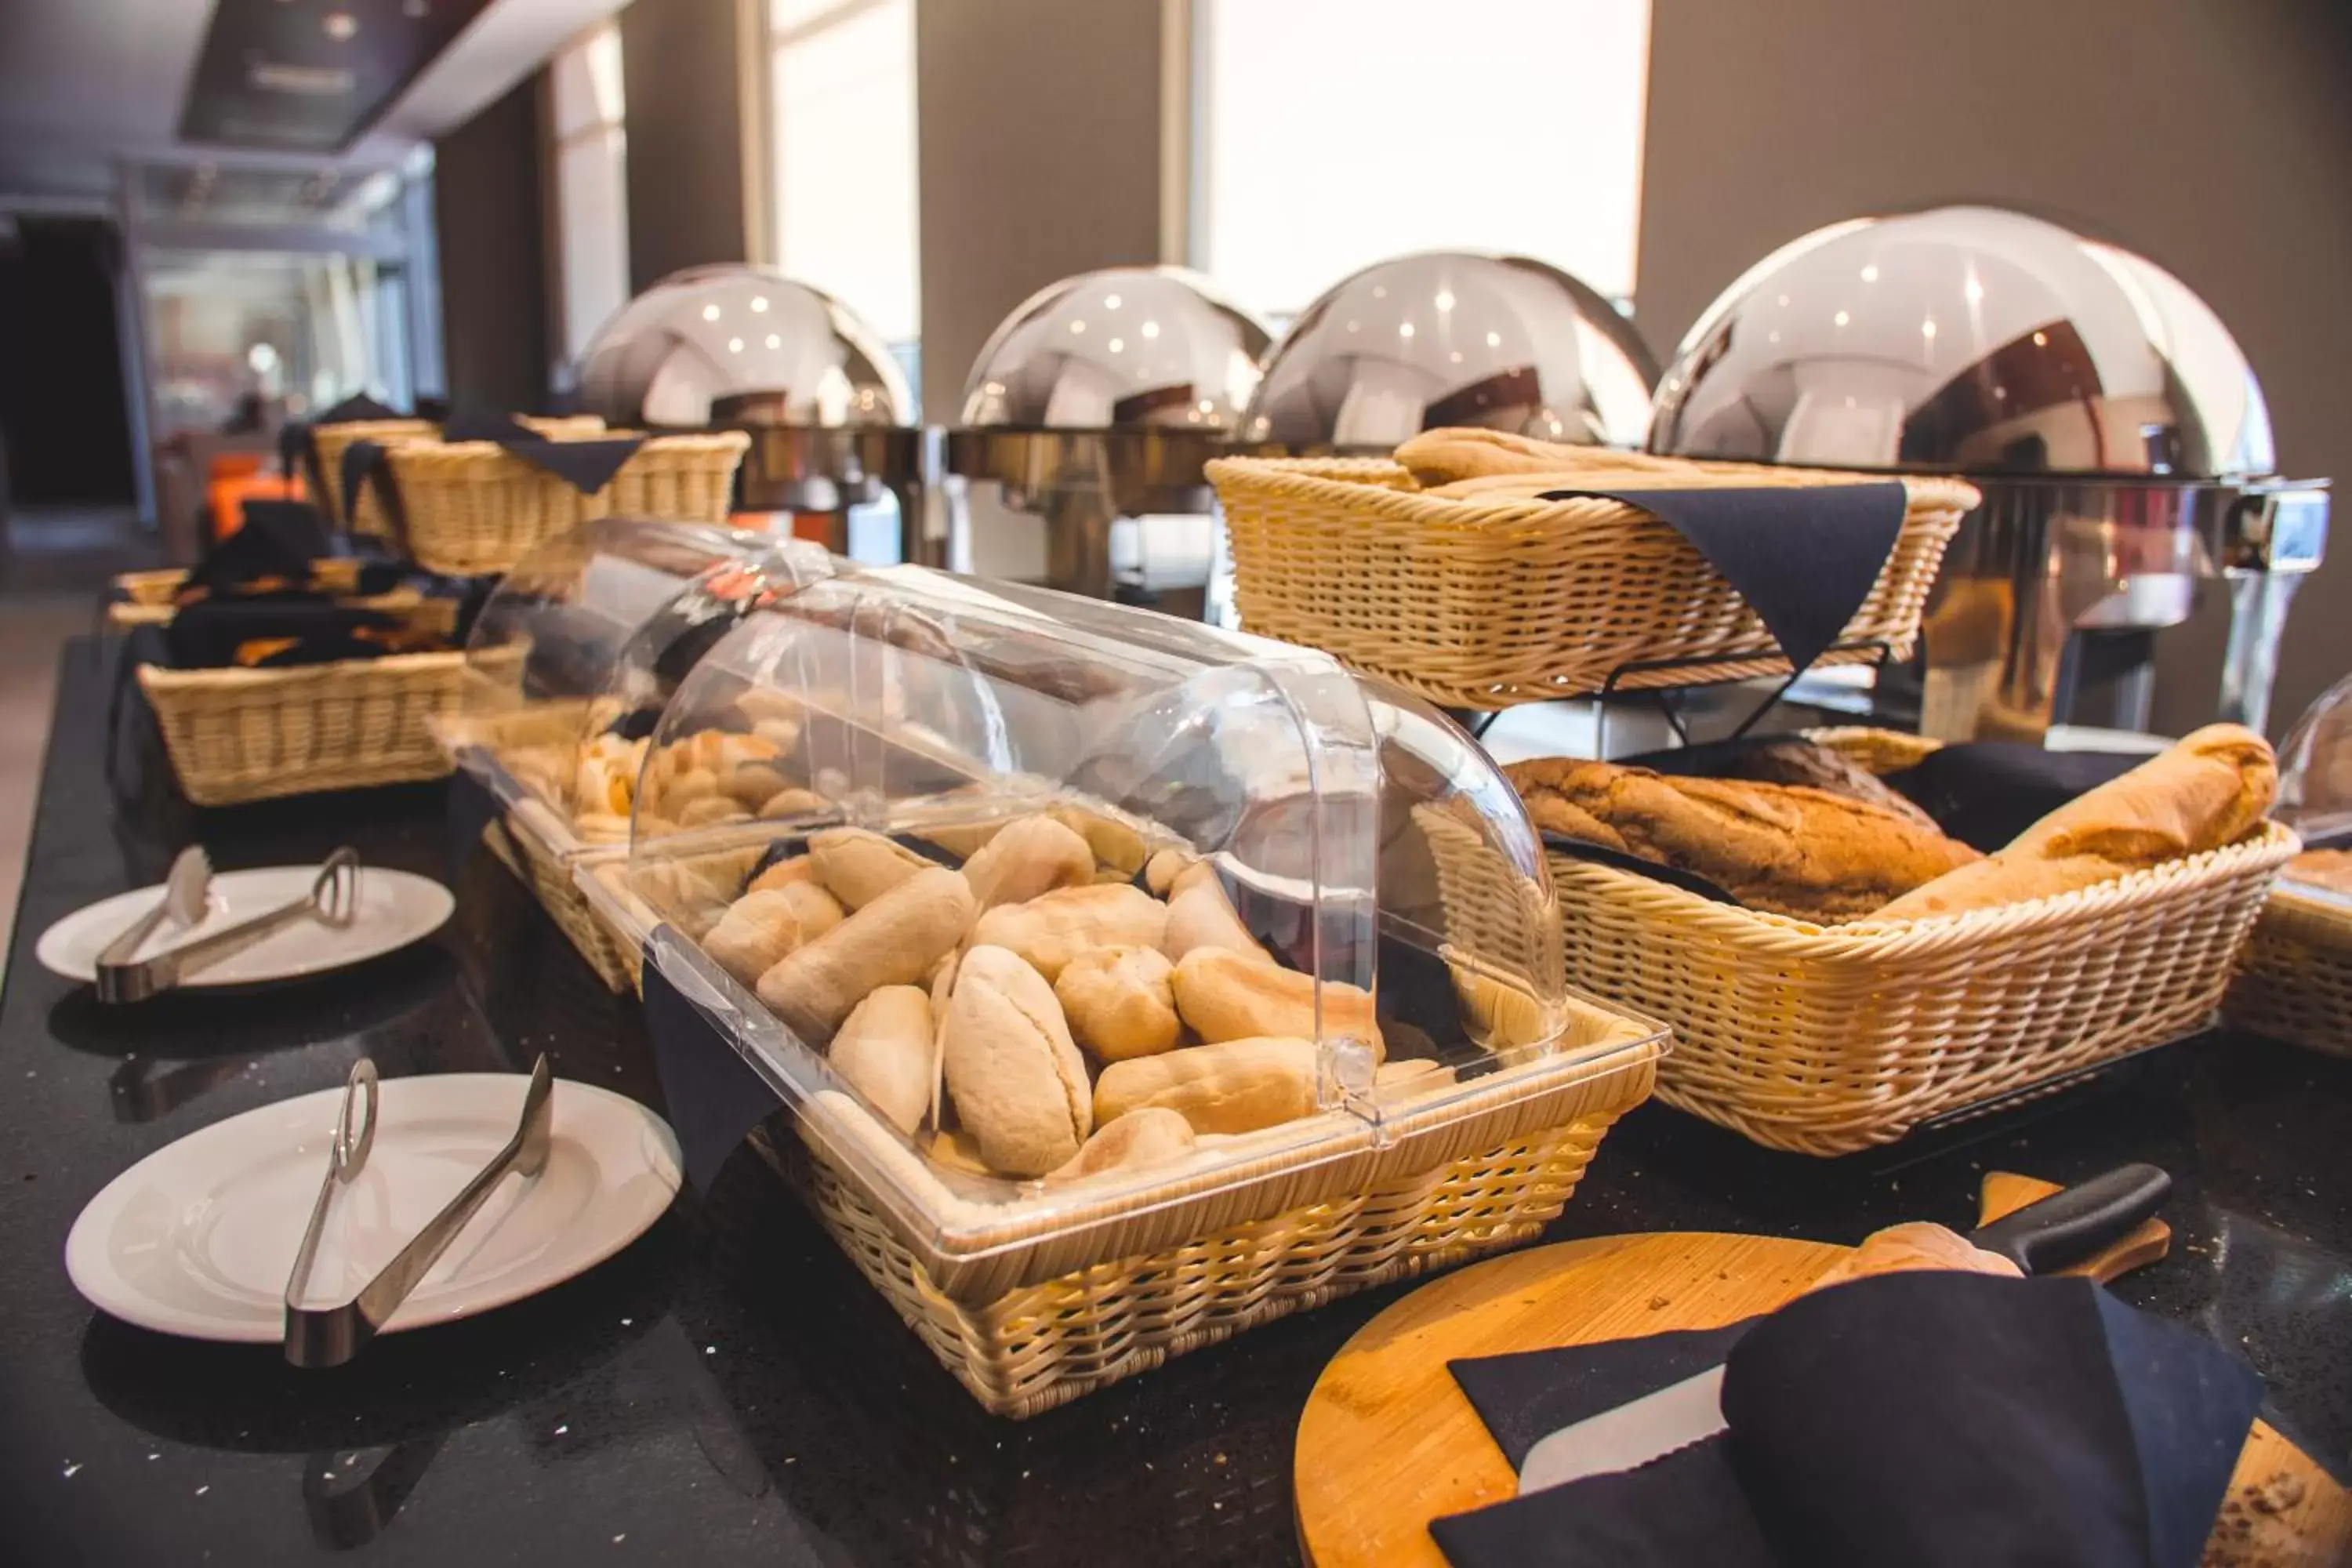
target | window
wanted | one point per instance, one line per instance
(591, 203)
(843, 117)
(1335, 134)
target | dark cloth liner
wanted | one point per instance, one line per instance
(1803, 556)
(713, 1096)
(1932, 1419)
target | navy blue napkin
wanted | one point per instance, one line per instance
(1928, 1418)
(713, 1097)
(1803, 556)
(294, 443)
(586, 465)
(472, 808)
(1986, 793)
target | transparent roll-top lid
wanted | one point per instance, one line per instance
(1102, 776)
(575, 653)
(2315, 771)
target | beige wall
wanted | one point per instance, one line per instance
(2214, 138)
(1038, 128)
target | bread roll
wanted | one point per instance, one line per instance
(1113, 843)
(1786, 848)
(858, 866)
(790, 803)
(884, 1052)
(1016, 1077)
(1903, 1248)
(783, 874)
(1051, 929)
(1236, 1086)
(1160, 872)
(760, 928)
(894, 940)
(2209, 789)
(1029, 856)
(1119, 1002)
(1139, 1137)
(1228, 996)
(1200, 915)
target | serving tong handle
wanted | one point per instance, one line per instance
(333, 900)
(330, 1336)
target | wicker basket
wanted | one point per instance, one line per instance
(147, 601)
(1829, 1040)
(537, 847)
(332, 441)
(472, 508)
(2295, 978)
(238, 735)
(1194, 1271)
(1486, 603)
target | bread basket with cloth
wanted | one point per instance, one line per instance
(1481, 569)
(1839, 969)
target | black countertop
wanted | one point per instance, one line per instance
(729, 1389)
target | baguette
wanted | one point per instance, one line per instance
(1788, 849)
(2209, 789)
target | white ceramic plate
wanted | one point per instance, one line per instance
(198, 1238)
(395, 909)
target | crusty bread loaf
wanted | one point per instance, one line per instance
(2210, 788)
(1443, 457)
(2322, 867)
(1785, 849)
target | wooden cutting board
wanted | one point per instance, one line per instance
(1388, 1443)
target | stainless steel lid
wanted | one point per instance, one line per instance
(1449, 338)
(735, 345)
(1969, 339)
(1129, 348)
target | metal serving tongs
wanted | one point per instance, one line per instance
(333, 900)
(330, 1336)
(185, 891)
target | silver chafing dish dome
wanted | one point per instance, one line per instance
(1129, 348)
(1088, 420)
(717, 345)
(2111, 421)
(1450, 338)
(833, 424)
(1968, 339)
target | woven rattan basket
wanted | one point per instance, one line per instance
(1829, 1040)
(472, 508)
(2295, 978)
(332, 441)
(147, 600)
(236, 735)
(1186, 1273)
(1486, 603)
(535, 847)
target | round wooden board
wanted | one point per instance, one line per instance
(1388, 1443)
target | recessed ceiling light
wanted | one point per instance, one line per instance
(340, 24)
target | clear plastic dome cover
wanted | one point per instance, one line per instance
(575, 653)
(2315, 770)
(1258, 845)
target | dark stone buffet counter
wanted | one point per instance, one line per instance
(729, 1389)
